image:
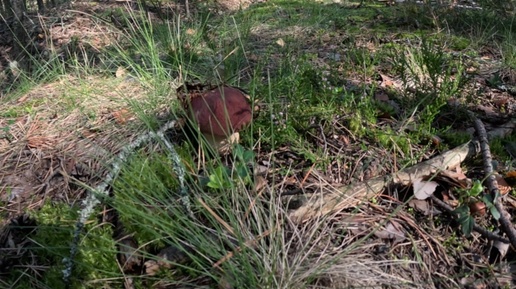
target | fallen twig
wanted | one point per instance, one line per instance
(330, 198)
(92, 200)
(491, 182)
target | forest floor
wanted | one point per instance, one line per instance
(345, 94)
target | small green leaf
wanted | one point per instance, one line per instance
(203, 181)
(488, 200)
(465, 219)
(461, 211)
(462, 219)
(238, 151)
(467, 226)
(497, 195)
(219, 179)
(494, 212)
(476, 189)
(214, 182)
(248, 156)
(242, 171)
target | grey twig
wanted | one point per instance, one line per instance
(92, 200)
(491, 182)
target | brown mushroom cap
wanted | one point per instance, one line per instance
(221, 111)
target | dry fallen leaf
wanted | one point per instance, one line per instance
(392, 231)
(4, 145)
(345, 140)
(423, 207)
(471, 70)
(190, 31)
(502, 248)
(503, 186)
(436, 140)
(120, 72)
(151, 267)
(40, 142)
(455, 178)
(260, 182)
(280, 42)
(423, 189)
(88, 133)
(501, 101)
(457, 174)
(386, 81)
(488, 111)
(122, 116)
(23, 98)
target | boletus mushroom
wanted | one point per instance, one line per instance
(220, 113)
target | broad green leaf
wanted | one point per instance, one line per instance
(462, 210)
(219, 179)
(487, 200)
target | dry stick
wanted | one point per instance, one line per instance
(492, 184)
(307, 175)
(332, 198)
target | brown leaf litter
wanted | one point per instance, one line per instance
(66, 139)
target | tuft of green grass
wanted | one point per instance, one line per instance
(455, 138)
(503, 148)
(431, 77)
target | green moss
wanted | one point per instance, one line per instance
(12, 112)
(392, 140)
(145, 184)
(95, 260)
(25, 108)
(502, 148)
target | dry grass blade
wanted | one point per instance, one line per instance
(248, 243)
(216, 216)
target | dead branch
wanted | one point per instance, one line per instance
(331, 199)
(491, 182)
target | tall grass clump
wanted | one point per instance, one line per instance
(237, 236)
(431, 78)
